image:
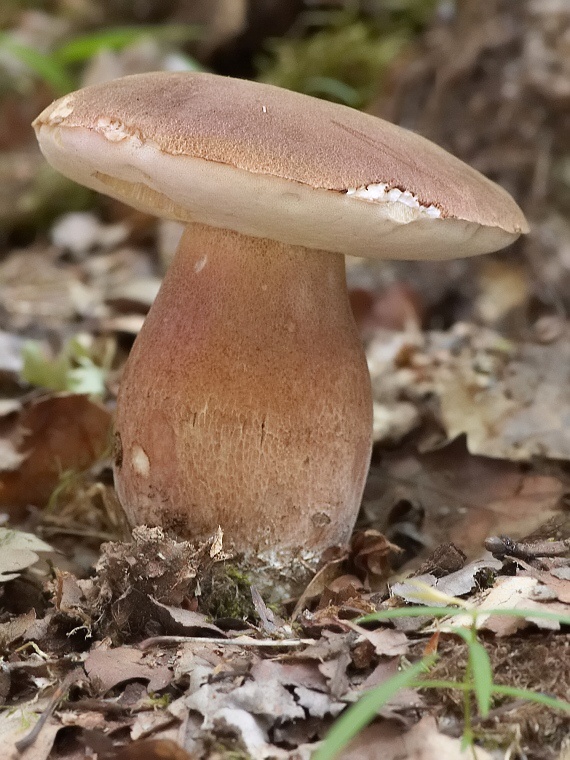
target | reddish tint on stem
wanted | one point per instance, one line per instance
(246, 399)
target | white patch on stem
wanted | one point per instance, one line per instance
(140, 461)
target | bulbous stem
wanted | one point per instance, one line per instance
(246, 400)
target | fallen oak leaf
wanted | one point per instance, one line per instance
(387, 642)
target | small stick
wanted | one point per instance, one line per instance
(57, 696)
(501, 546)
(267, 643)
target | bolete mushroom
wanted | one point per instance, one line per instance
(246, 400)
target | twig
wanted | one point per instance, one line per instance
(243, 642)
(501, 546)
(57, 696)
(98, 705)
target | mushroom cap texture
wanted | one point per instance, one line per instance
(200, 147)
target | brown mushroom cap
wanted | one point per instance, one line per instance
(272, 163)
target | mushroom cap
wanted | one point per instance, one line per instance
(276, 164)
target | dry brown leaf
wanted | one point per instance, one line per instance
(370, 553)
(555, 581)
(305, 674)
(16, 628)
(387, 642)
(334, 670)
(180, 622)
(107, 668)
(390, 741)
(62, 433)
(16, 724)
(465, 498)
(152, 749)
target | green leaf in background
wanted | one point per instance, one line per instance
(43, 65)
(342, 62)
(85, 46)
(57, 68)
(73, 370)
(343, 55)
(43, 371)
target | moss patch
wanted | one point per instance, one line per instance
(226, 593)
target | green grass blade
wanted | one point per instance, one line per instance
(532, 696)
(498, 690)
(362, 712)
(412, 611)
(46, 67)
(482, 673)
(83, 47)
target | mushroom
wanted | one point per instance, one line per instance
(246, 401)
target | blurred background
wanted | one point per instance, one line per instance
(489, 80)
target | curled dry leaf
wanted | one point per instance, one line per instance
(177, 621)
(370, 553)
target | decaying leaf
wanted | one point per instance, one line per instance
(16, 724)
(465, 498)
(16, 628)
(107, 668)
(391, 741)
(18, 551)
(180, 622)
(517, 592)
(60, 433)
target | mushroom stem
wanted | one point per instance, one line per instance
(246, 400)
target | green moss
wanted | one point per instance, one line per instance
(226, 593)
(342, 56)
